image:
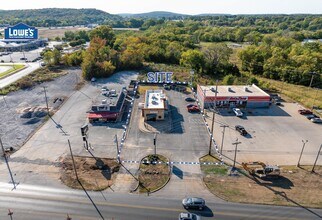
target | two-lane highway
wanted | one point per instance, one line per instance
(37, 202)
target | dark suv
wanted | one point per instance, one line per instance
(193, 203)
(241, 130)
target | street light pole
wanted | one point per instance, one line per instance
(313, 73)
(46, 100)
(155, 144)
(316, 160)
(222, 139)
(235, 143)
(213, 119)
(304, 142)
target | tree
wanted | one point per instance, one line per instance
(104, 32)
(97, 61)
(52, 57)
(228, 79)
(193, 59)
(252, 80)
(216, 57)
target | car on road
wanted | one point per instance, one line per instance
(189, 99)
(188, 216)
(193, 108)
(316, 120)
(193, 203)
(311, 116)
(238, 112)
(241, 130)
(305, 112)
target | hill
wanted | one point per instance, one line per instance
(48, 17)
(156, 14)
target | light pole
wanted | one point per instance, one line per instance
(6, 159)
(46, 100)
(313, 73)
(191, 75)
(304, 142)
(213, 119)
(155, 144)
(316, 160)
(235, 143)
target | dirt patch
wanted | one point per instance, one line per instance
(153, 176)
(295, 187)
(94, 173)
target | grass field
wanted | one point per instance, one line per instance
(58, 32)
(295, 187)
(13, 68)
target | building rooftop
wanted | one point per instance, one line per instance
(231, 91)
(115, 103)
(154, 99)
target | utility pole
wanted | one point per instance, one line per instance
(222, 139)
(71, 153)
(213, 118)
(6, 159)
(10, 213)
(191, 74)
(304, 142)
(316, 160)
(235, 143)
(46, 100)
(117, 149)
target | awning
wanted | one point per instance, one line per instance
(104, 115)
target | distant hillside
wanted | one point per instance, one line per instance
(156, 14)
(56, 17)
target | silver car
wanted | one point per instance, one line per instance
(188, 216)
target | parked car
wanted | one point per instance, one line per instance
(238, 112)
(193, 108)
(311, 116)
(188, 216)
(190, 105)
(189, 99)
(193, 203)
(305, 112)
(316, 120)
(241, 130)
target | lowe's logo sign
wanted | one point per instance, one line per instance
(21, 31)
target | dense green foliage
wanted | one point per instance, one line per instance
(56, 17)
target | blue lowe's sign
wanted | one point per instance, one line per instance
(20, 31)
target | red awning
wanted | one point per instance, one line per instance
(98, 115)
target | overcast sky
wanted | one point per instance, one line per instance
(179, 6)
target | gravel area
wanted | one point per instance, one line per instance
(22, 112)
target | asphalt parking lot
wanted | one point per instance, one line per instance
(16, 57)
(275, 135)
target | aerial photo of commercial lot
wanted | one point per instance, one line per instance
(160, 115)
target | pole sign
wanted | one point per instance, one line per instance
(20, 31)
(160, 77)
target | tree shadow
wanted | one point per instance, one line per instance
(280, 193)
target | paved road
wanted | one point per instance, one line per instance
(10, 79)
(36, 202)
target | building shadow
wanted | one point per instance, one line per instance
(177, 171)
(176, 126)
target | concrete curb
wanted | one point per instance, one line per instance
(13, 72)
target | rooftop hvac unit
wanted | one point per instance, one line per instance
(213, 89)
(104, 102)
(229, 89)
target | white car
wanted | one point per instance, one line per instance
(188, 216)
(316, 120)
(237, 112)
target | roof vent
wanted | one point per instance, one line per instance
(246, 89)
(104, 102)
(213, 89)
(229, 89)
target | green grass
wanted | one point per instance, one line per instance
(15, 67)
(38, 76)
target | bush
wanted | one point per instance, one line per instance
(229, 79)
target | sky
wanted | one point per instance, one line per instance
(178, 6)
